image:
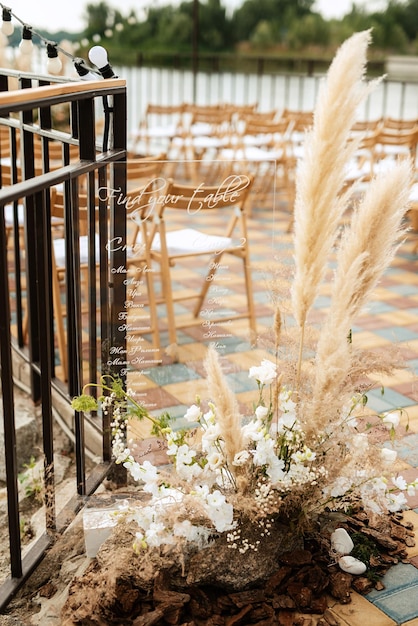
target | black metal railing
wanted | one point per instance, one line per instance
(62, 139)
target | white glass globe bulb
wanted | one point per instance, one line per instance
(26, 46)
(7, 28)
(98, 56)
(54, 65)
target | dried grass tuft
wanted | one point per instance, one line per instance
(228, 414)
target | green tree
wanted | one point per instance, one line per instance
(263, 36)
(214, 27)
(309, 30)
(97, 16)
(390, 37)
(278, 12)
(404, 15)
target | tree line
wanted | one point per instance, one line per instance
(258, 26)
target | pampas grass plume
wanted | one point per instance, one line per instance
(227, 410)
(319, 203)
(367, 247)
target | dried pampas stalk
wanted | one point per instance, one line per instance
(320, 178)
(367, 247)
(277, 326)
(227, 410)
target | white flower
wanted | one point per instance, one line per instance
(215, 460)
(265, 374)
(340, 486)
(253, 431)
(219, 511)
(400, 482)
(196, 534)
(215, 499)
(411, 489)
(264, 452)
(396, 502)
(185, 454)
(286, 421)
(154, 535)
(241, 458)
(209, 437)
(392, 419)
(172, 449)
(286, 404)
(134, 469)
(388, 455)
(261, 412)
(189, 472)
(275, 469)
(304, 455)
(201, 491)
(193, 413)
(209, 417)
(150, 477)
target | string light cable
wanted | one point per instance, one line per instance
(97, 56)
(54, 64)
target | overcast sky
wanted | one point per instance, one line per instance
(56, 15)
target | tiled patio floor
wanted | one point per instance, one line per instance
(391, 318)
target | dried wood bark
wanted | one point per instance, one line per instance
(299, 588)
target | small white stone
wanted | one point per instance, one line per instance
(351, 565)
(341, 541)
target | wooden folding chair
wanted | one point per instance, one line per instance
(141, 170)
(185, 228)
(264, 149)
(157, 129)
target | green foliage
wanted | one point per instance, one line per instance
(31, 480)
(309, 30)
(263, 35)
(84, 403)
(276, 26)
(364, 549)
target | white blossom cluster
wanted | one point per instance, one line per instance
(274, 460)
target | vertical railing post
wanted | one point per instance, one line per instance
(6, 372)
(43, 259)
(117, 257)
(28, 161)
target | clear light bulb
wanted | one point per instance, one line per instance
(7, 27)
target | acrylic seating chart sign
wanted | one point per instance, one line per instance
(193, 232)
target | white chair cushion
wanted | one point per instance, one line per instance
(8, 214)
(189, 240)
(59, 250)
